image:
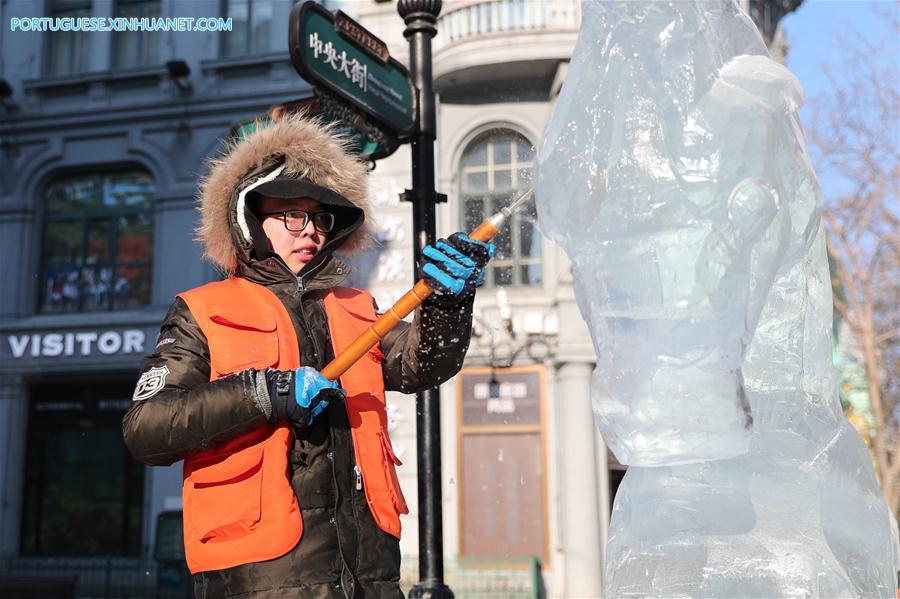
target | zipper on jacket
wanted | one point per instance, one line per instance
(301, 285)
(301, 289)
(319, 352)
(358, 473)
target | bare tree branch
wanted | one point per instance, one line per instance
(853, 135)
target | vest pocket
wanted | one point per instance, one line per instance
(389, 464)
(227, 497)
(241, 343)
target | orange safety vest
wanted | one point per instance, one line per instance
(239, 506)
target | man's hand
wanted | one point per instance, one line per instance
(454, 267)
(300, 395)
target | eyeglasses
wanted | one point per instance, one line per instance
(296, 220)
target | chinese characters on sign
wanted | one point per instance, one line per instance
(518, 400)
(506, 403)
(352, 69)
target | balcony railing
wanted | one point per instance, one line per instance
(491, 17)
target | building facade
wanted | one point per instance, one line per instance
(102, 139)
(101, 147)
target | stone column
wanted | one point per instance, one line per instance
(579, 507)
(13, 431)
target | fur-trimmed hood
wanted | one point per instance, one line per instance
(305, 148)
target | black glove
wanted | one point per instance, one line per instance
(454, 267)
(300, 395)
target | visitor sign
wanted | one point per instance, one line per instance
(337, 54)
(76, 346)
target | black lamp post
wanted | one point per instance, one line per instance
(767, 13)
(420, 17)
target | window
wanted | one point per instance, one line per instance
(495, 169)
(97, 246)
(67, 51)
(252, 22)
(83, 491)
(136, 48)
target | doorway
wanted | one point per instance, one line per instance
(83, 492)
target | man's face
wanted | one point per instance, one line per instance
(296, 248)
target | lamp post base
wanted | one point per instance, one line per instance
(430, 590)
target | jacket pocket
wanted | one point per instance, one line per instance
(244, 341)
(227, 497)
(390, 462)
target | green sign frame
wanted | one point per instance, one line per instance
(356, 69)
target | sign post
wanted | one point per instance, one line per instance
(420, 17)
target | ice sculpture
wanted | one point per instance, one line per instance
(674, 173)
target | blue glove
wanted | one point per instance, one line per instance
(300, 395)
(454, 267)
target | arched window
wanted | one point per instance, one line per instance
(97, 245)
(496, 168)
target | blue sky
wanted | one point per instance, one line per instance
(810, 29)
(810, 34)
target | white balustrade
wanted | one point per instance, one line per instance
(479, 19)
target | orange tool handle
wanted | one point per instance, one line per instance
(387, 321)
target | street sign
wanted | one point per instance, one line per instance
(336, 53)
(368, 139)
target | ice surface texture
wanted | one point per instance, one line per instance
(675, 174)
